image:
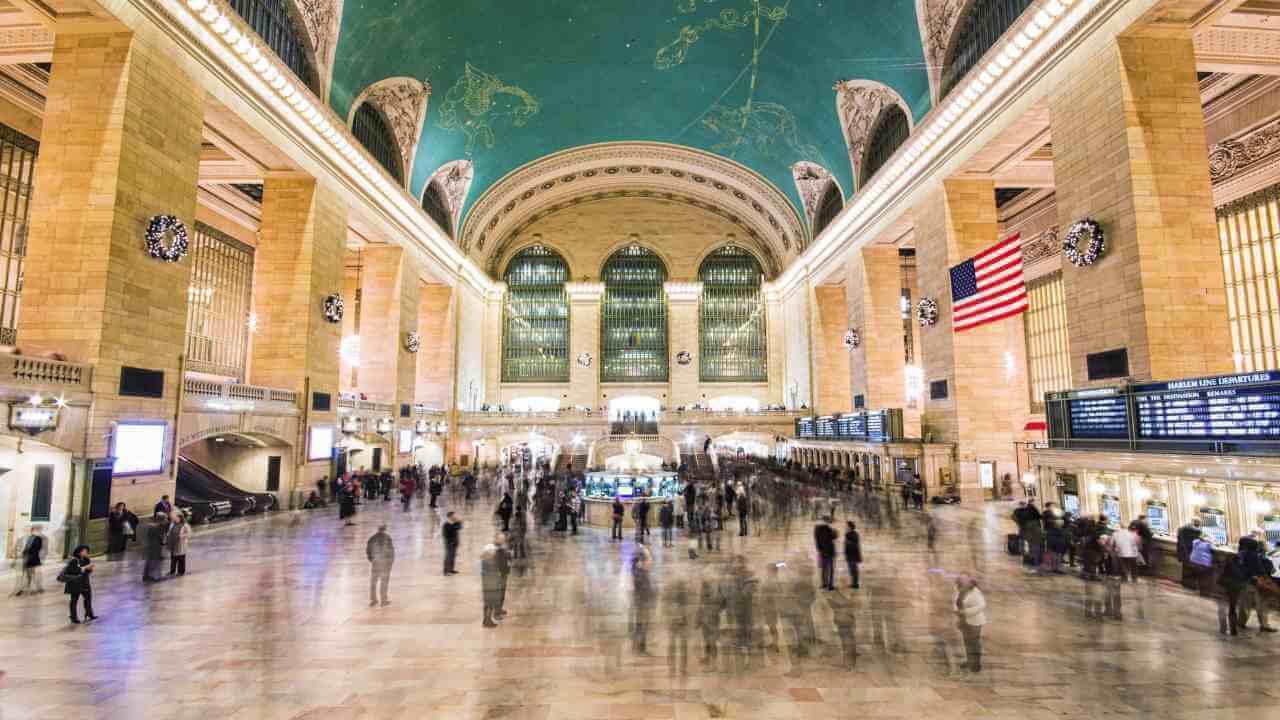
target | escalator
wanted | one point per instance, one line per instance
(208, 497)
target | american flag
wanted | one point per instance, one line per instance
(989, 286)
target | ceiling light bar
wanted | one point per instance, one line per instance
(1016, 58)
(317, 122)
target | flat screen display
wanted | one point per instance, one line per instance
(1236, 407)
(1111, 508)
(1213, 522)
(1158, 517)
(138, 448)
(804, 427)
(877, 428)
(825, 427)
(852, 426)
(1105, 417)
(320, 446)
(1071, 503)
(406, 441)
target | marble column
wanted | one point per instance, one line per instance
(390, 293)
(120, 144)
(584, 339)
(1129, 150)
(874, 292)
(435, 359)
(984, 406)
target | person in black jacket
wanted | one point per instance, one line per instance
(505, 508)
(824, 537)
(121, 528)
(76, 578)
(451, 531)
(690, 502)
(852, 551)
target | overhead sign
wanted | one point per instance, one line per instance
(31, 419)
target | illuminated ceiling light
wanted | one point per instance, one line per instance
(221, 25)
(1054, 8)
(1043, 20)
(61, 401)
(211, 14)
(231, 35)
(36, 400)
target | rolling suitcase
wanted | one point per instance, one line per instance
(1013, 543)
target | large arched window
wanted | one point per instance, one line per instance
(828, 208)
(274, 23)
(433, 202)
(371, 129)
(535, 328)
(733, 346)
(634, 324)
(979, 29)
(888, 134)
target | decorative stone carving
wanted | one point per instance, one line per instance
(811, 181)
(322, 19)
(455, 179)
(403, 101)
(1231, 157)
(938, 20)
(859, 103)
(1041, 247)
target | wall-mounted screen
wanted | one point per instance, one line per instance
(406, 440)
(138, 448)
(804, 427)
(320, 445)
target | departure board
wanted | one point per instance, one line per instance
(1231, 408)
(851, 426)
(1101, 415)
(877, 428)
(825, 427)
(804, 427)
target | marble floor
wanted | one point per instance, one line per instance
(273, 621)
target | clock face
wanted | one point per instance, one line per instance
(684, 357)
(584, 360)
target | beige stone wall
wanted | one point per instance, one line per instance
(796, 318)
(586, 235)
(20, 119)
(683, 320)
(435, 359)
(832, 359)
(471, 347)
(584, 337)
(1130, 151)
(348, 366)
(121, 141)
(390, 293)
(874, 295)
(986, 404)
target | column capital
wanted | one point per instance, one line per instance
(495, 291)
(683, 291)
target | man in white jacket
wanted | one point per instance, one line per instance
(971, 611)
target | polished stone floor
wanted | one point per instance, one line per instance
(272, 621)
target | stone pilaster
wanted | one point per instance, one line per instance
(777, 338)
(435, 359)
(984, 407)
(120, 144)
(683, 300)
(390, 293)
(1129, 150)
(830, 325)
(492, 330)
(874, 295)
(584, 337)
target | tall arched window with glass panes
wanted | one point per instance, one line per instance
(733, 345)
(535, 328)
(633, 325)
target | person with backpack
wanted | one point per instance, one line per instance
(75, 580)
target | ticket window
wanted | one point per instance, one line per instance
(1153, 501)
(1068, 493)
(1264, 514)
(1107, 492)
(1209, 503)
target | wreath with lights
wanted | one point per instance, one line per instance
(927, 312)
(1088, 232)
(333, 308)
(158, 229)
(684, 357)
(852, 339)
(412, 342)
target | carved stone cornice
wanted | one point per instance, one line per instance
(1237, 156)
(403, 101)
(1044, 246)
(753, 202)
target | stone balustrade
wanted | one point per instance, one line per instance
(238, 397)
(44, 372)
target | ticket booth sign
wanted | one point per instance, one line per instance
(32, 420)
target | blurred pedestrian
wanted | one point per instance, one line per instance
(971, 609)
(490, 584)
(451, 533)
(381, 552)
(156, 532)
(677, 608)
(845, 620)
(34, 550)
(667, 520)
(505, 507)
(642, 598)
(75, 579)
(178, 541)
(852, 552)
(824, 538)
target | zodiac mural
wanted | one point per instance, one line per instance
(478, 102)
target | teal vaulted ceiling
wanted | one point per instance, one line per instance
(750, 80)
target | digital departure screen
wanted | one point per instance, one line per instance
(1103, 417)
(852, 426)
(804, 427)
(825, 427)
(877, 427)
(1236, 407)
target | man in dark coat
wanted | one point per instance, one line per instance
(451, 531)
(76, 578)
(690, 502)
(852, 551)
(505, 508)
(824, 538)
(1187, 535)
(381, 553)
(156, 533)
(346, 504)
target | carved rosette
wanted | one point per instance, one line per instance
(403, 101)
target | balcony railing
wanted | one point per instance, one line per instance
(45, 372)
(366, 406)
(237, 392)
